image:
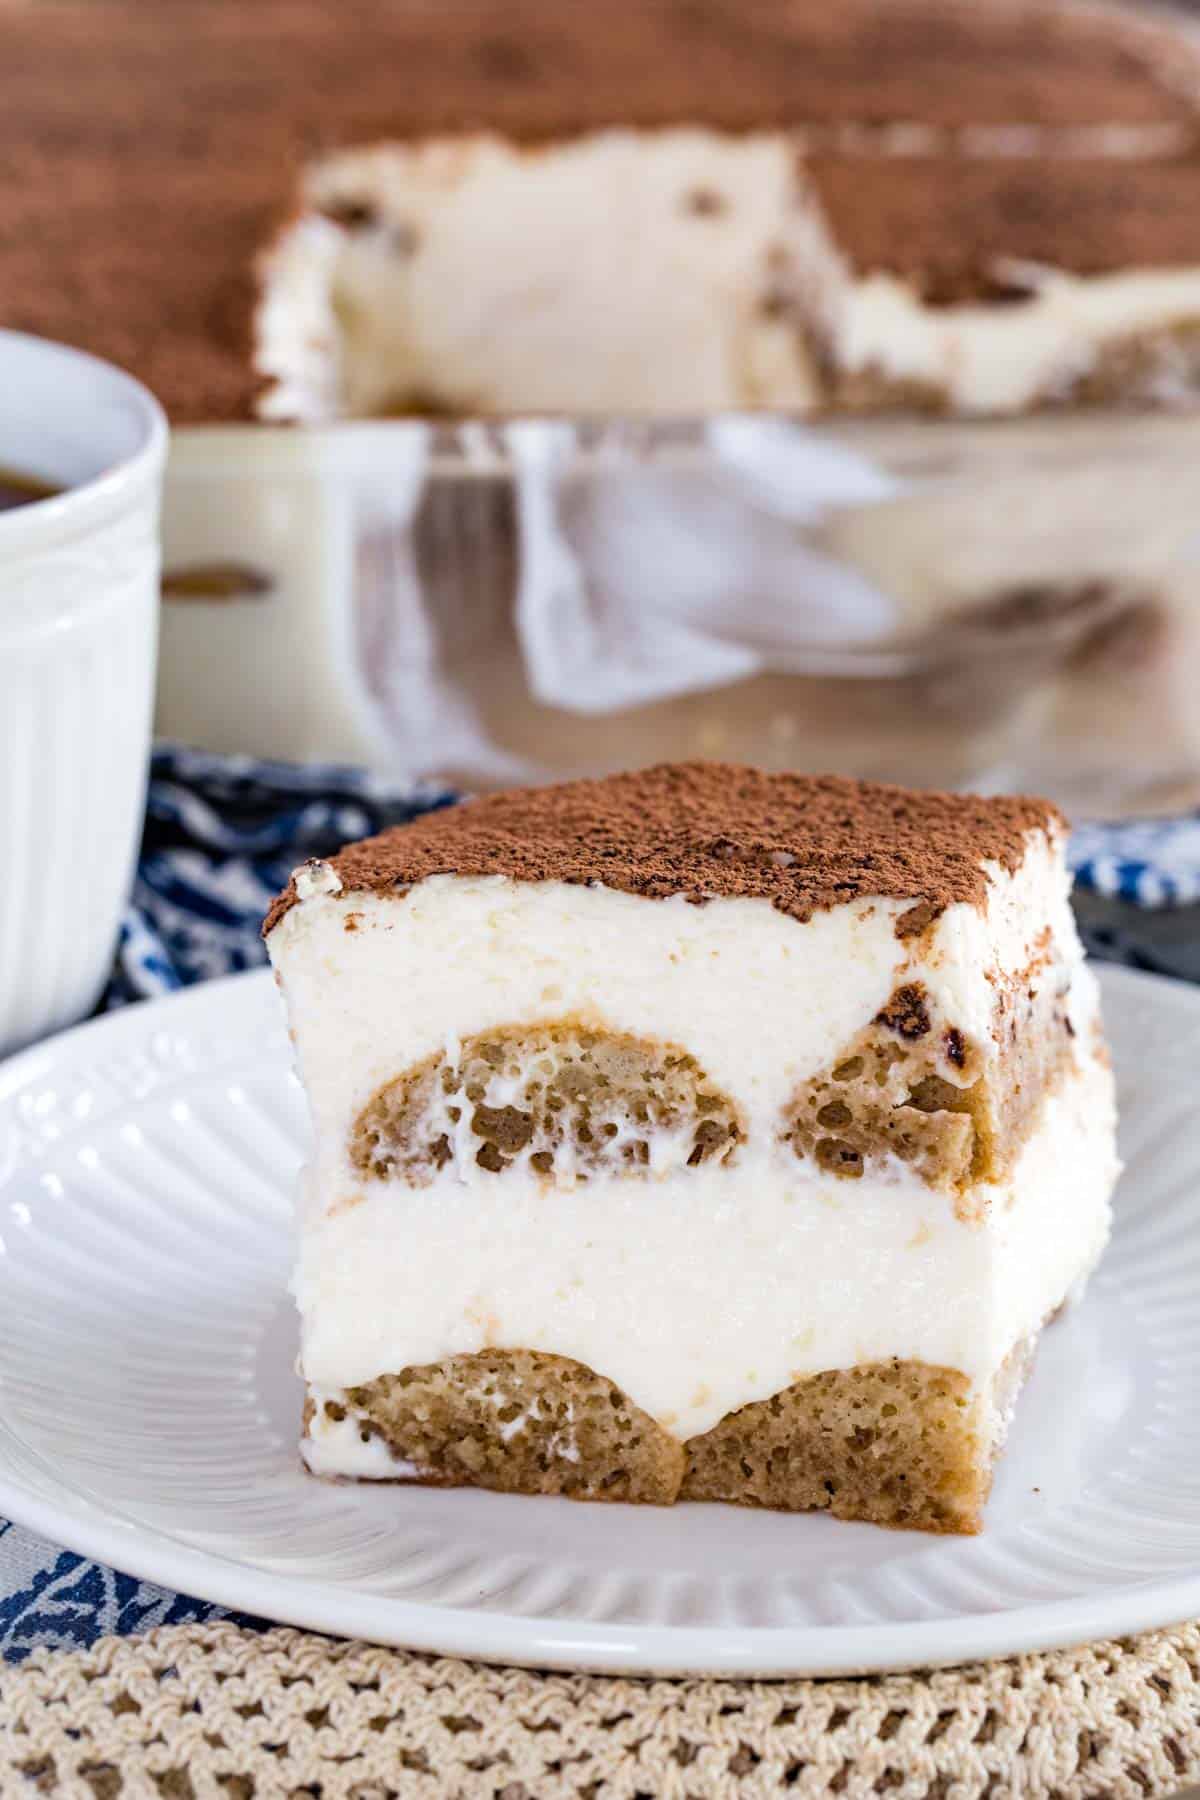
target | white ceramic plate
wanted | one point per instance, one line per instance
(148, 1406)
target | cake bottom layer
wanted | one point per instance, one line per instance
(897, 1443)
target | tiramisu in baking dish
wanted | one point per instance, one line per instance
(358, 260)
(682, 206)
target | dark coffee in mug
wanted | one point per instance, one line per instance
(19, 489)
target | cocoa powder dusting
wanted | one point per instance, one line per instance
(917, 919)
(957, 227)
(712, 830)
(906, 1013)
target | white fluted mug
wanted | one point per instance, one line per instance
(79, 581)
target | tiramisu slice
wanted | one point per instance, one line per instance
(695, 1133)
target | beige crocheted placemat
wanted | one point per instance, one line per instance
(199, 1711)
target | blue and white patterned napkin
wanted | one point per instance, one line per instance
(1148, 862)
(222, 835)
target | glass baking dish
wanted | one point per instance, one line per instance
(996, 605)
